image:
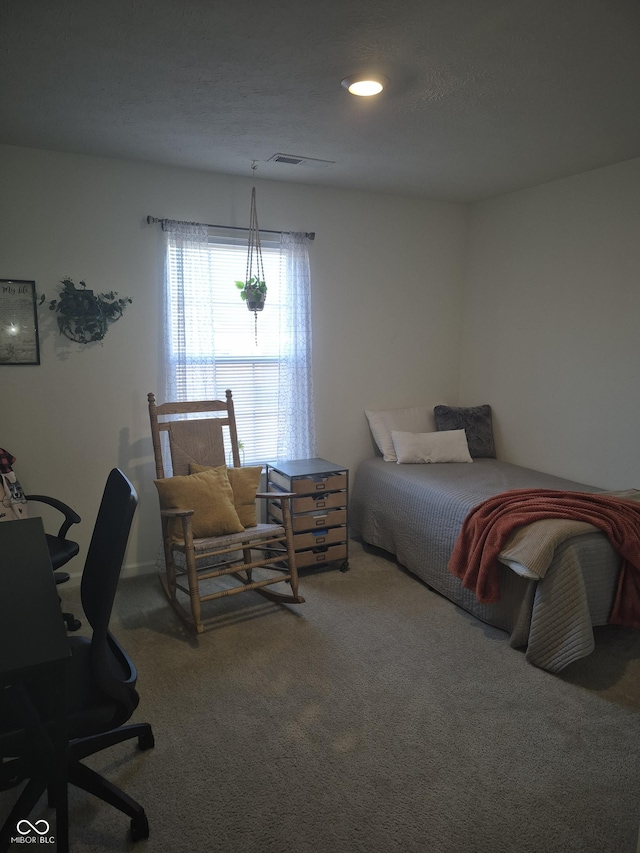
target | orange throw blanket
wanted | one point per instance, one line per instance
(488, 526)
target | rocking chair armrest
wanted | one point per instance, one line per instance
(70, 516)
(186, 522)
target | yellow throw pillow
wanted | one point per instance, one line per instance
(209, 494)
(244, 483)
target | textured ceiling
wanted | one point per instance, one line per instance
(486, 96)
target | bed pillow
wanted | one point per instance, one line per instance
(381, 423)
(244, 484)
(445, 446)
(475, 421)
(209, 494)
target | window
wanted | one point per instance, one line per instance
(213, 342)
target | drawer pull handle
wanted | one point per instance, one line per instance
(320, 504)
(320, 522)
(320, 486)
(321, 540)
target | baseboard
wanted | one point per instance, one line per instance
(134, 570)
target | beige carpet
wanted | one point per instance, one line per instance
(375, 718)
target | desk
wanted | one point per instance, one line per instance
(33, 643)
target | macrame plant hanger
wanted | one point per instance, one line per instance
(255, 301)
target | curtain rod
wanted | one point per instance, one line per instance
(152, 220)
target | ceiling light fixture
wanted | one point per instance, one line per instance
(365, 85)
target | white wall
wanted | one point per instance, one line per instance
(386, 290)
(551, 325)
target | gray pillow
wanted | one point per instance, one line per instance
(475, 421)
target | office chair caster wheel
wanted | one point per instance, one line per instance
(139, 827)
(72, 623)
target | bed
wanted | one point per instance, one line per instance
(415, 512)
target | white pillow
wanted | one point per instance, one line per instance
(415, 419)
(445, 446)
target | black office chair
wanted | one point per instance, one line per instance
(61, 549)
(101, 678)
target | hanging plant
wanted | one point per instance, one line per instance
(254, 292)
(85, 316)
(254, 288)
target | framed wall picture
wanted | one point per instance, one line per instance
(19, 342)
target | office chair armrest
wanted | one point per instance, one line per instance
(70, 516)
(176, 513)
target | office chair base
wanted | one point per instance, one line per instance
(139, 828)
(84, 777)
(80, 748)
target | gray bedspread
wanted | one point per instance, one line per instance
(415, 512)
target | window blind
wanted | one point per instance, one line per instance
(214, 343)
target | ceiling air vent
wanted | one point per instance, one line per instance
(293, 160)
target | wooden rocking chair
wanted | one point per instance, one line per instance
(192, 449)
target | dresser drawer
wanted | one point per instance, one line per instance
(319, 538)
(311, 520)
(321, 555)
(313, 503)
(311, 485)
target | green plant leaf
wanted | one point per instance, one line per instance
(85, 316)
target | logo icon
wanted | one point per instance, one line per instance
(41, 827)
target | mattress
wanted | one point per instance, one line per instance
(415, 512)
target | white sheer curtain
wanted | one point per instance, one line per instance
(296, 429)
(209, 340)
(185, 273)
